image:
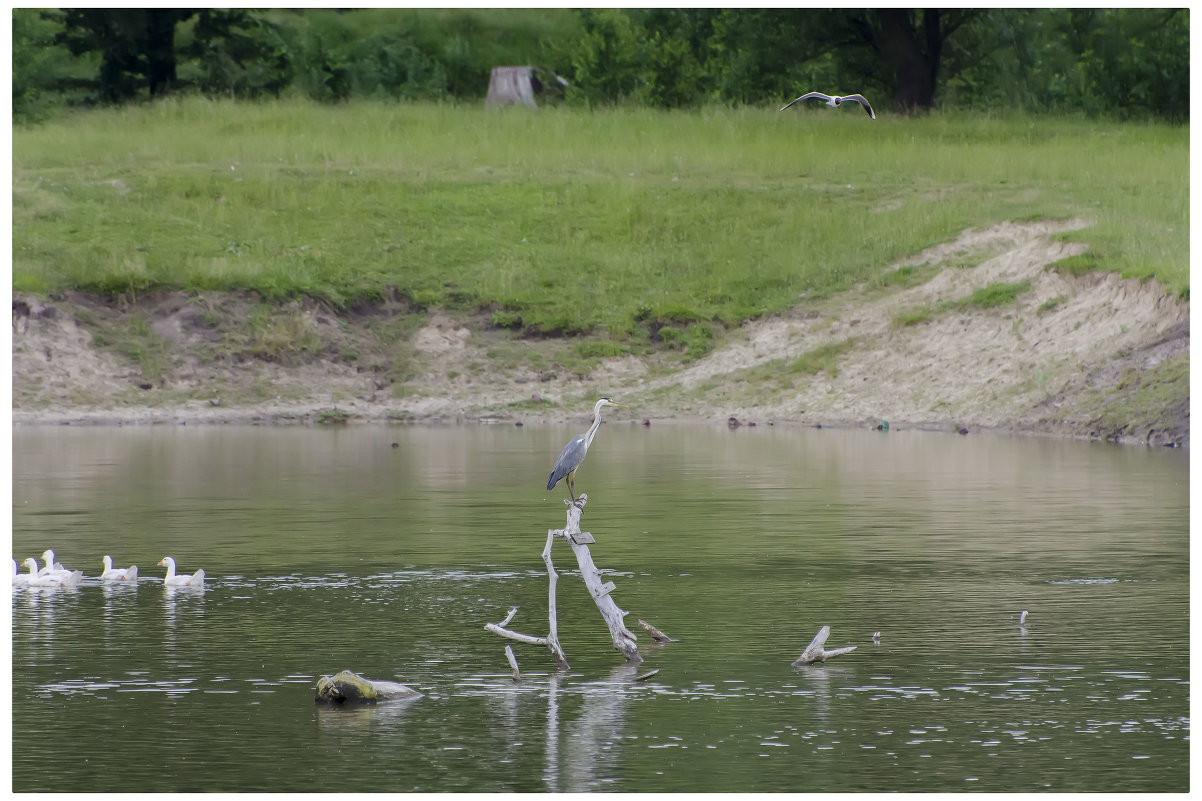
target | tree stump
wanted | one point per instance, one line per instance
(509, 86)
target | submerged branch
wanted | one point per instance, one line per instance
(655, 633)
(814, 651)
(513, 662)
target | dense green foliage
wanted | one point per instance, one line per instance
(649, 225)
(1120, 62)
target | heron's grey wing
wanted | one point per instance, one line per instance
(806, 96)
(863, 102)
(569, 459)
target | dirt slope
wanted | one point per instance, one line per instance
(1091, 356)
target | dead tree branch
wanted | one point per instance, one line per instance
(579, 541)
(814, 651)
(513, 662)
(551, 641)
(623, 638)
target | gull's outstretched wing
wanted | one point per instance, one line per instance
(807, 96)
(862, 101)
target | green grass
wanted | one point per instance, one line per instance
(1075, 265)
(987, 297)
(132, 337)
(824, 358)
(908, 276)
(994, 295)
(624, 223)
(531, 405)
(916, 316)
(334, 416)
(1155, 396)
(600, 350)
(1051, 304)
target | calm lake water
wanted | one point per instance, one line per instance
(327, 549)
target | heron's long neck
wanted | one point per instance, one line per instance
(592, 432)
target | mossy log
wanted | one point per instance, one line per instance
(350, 687)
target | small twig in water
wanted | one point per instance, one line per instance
(655, 633)
(513, 662)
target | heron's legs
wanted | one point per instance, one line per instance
(570, 483)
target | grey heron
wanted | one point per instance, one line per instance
(573, 453)
(834, 101)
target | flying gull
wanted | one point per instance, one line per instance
(835, 100)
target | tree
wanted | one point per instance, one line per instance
(40, 70)
(1131, 62)
(229, 50)
(675, 56)
(911, 43)
(769, 53)
(137, 47)
(235, 52)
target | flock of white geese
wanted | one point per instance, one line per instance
(53, 574)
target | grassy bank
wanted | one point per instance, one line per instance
(637, 223)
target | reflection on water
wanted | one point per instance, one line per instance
(329, 549)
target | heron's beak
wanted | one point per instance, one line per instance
(623, 405)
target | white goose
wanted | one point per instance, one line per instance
(197, 579)
(61, 578)
(51, 565)
(22, 579)
(118, 574)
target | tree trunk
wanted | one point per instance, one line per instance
(913, 55)
(160, 51)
